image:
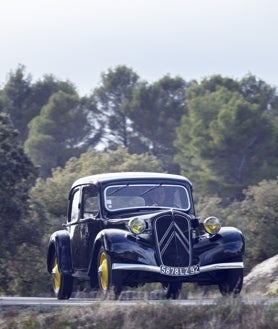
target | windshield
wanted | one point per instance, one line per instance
(126, 196)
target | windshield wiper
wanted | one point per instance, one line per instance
(118, 189)
(150, 189)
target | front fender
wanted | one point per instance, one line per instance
(60, 243)
(224, 246)
(122, 246)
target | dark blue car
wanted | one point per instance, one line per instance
(131, 228)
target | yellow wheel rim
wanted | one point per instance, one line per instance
(103, 271)
(56, 276)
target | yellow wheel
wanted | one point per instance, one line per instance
(56, 276)
(62, 283)
(104, 270)
(105, 279)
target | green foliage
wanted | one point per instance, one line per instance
(210, 206)
(112, 99)
(139, 116)
(259, 213)
(23, 100)
(156, 111)
(13, 99)
(62, 130)
(259, 92)
(27, 272)
(225, 142)
(17, 176)
(256, 216)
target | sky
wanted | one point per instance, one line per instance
(78, 40)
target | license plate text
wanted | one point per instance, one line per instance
(179, 271)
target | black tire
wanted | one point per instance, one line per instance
(172, 290)
(231, 285)
(108, 286)
(61, 283)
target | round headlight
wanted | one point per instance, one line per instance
(137, 225)
(212, 225)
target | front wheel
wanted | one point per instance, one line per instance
(61, 283)
(105, 279)
(232, 282)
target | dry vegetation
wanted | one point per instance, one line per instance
(226, 313)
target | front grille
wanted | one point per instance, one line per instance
(173, 240)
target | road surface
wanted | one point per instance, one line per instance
(32, 301)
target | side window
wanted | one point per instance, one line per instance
(75, 206)
(90, 202)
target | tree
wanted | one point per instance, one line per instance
(23, 100)
(259, 212)
(156, 112)
(112, 99)
(64, 128)
(17, 176)
(258, 92)
(226, 142)
(257, 217)
(13, 98)
(141, 117)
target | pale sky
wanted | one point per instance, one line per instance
(79, 39)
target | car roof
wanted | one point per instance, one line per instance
(107, 177)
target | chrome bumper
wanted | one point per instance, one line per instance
(156, 269)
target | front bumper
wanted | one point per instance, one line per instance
(157, 269)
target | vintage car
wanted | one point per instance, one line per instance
(127, 229)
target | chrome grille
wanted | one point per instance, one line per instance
(173, 240)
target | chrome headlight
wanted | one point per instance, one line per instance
(212, 225)
(137, 225)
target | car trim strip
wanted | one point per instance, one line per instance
(156, 269)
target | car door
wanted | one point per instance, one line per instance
(89, 224)
(74, 226)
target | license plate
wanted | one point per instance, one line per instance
(179, 271)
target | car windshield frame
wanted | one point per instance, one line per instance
(118, 197)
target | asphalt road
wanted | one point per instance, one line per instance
(39, 301)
